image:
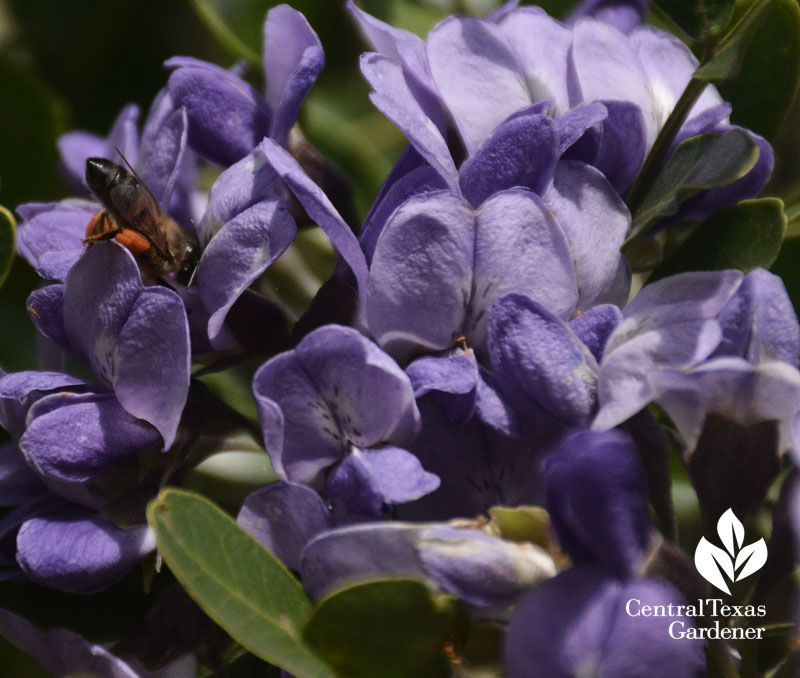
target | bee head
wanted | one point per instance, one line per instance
(101, 175)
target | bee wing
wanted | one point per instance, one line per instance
(137, 208)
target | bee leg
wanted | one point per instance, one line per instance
(100, 227)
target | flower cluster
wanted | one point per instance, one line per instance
(492, 346)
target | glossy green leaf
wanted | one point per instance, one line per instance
(236, 26)
(745, 236)
(701, 19)
(697, 164)
(391, 628)
(8, 228)
(767, 84)
(236, 581)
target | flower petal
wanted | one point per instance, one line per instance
(539, 364)
(608, 68)
(394, 98)
(73, 437)
(597, 500)
(51, 240)
(152, 361)
(521, 152)
(284, 517)
(238, 254)
(79, 551)
(293, 58)
(320, 209)
(477, 76)
(594, 327)
(227, 117)
(595, 222)
(421, 274)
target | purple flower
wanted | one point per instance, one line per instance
(227, 117)
(483, 73)
(597, 501)
(338, 402)
(134, 338)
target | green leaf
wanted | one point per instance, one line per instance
(725, 59)
(701, 19)
(236, 26)
(699, 163)
(236, 581)
(767, 83)
(745, 236)
(8, 227)
(391, 628)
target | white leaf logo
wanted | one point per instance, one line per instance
(712, 562)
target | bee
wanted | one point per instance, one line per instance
(132, 217)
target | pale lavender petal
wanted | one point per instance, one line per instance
(731, 387)
(303, 438)
(19, 390)
(162, 154)
(72, 437)
(596, 497)
(95, 314)
(293, 58)
(481, 569)
(541, 47)
(284, 517)
(74, 148)
(154, 389)
(52, 239)
(337, 386)
(608, 68)
(320, 209)
(669, 65)
(454, 373)
(521, 152)
(417, 182)
(477, 76)
(79, 551)
(381, 36)
(518, 248)
(369, 393)
(670, 323)
(360, 551)
(595, 222)
(394, 98)
(123, 138)
(227, 117)
(506, 8)
(421, 275)
(539, 364)
(244, 184)
(759, 322)
(238, 254)
(595, 326)
(392, 474)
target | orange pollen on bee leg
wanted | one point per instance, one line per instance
(92, 225)
(133, 241)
